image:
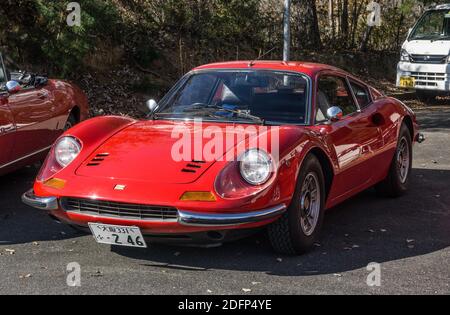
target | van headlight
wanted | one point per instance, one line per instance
(256, 167)
(404, 55)
(66, 150)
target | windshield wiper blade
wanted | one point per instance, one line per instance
(440, 38)
(242, 114)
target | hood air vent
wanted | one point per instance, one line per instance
(96, 161)
(193, 166)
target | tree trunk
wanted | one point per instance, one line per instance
(308, 34)
(365, 38)
(344, 23)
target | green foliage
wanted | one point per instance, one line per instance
(43, 35)
(67, 46)
(175, 35)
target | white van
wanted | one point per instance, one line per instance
(425, 56)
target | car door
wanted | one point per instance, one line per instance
(7, 130)
(33, 114)
(348, 137)
(7, 127)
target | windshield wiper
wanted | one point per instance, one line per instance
(440, 38)
(242, 114)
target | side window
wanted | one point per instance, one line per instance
(333, 91)
(361, 94)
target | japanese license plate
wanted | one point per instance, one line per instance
(407, 82)
(129, 236)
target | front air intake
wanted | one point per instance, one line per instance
(119, 210)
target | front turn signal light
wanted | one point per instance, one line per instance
(55, 183)
(198, 196)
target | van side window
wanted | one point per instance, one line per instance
(361, 93)
(333, 91)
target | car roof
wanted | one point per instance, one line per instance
(307, 68)
(441, 7)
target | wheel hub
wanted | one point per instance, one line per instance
(310, 204)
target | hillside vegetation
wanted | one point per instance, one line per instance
(127, 50)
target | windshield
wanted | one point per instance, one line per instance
(433, 25)
(247, 96)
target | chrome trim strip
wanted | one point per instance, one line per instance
(221, 219)
(24, 157)
(42, 203)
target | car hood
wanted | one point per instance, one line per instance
(143, 152)
(427, 47)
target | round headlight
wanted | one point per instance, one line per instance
(66, 150)
(256, 167)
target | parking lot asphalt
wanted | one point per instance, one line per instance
(409, 237)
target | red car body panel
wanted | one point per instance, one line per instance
(33, 118)
(358, 151)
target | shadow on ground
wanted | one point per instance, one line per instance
(434, 118)
(362, 230)
(19, 223)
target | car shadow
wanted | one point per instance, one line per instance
(362, 230)
(20, 223)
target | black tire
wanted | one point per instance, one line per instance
(287, 235)
(396, 184)
(71, 121)
(426, 97)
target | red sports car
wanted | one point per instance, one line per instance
(34, 112)
(233, 147)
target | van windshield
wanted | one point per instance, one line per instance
(433, 25)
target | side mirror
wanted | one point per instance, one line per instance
(13, 87)
(151, 105)
(335, 113)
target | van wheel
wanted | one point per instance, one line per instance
(299, 228)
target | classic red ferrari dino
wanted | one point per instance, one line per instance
(233, 147)
(34, 112)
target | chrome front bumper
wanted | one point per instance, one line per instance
(184, 217)
(220, 219)
(42, 203)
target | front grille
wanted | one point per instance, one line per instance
(428, 78)
(431, 59)
(119, 210)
